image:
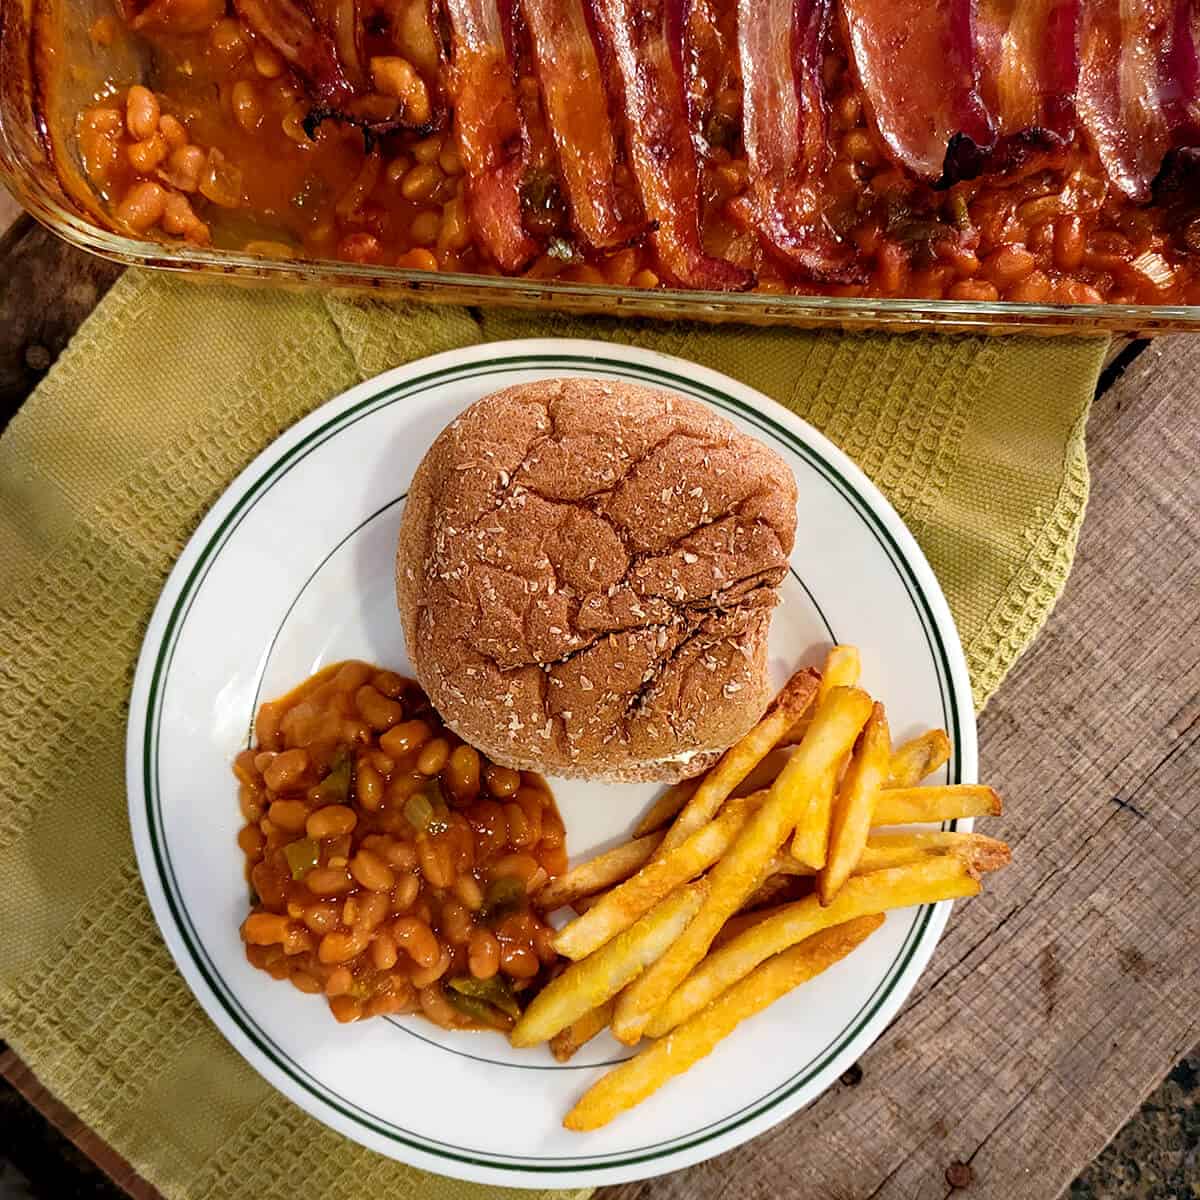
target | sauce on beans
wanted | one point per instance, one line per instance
(188, 161)
(392, 865)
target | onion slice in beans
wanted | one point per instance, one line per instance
(785, 127)
(644, 39)
(491, 136)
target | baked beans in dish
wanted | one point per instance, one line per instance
(882, 148)
(391, 865)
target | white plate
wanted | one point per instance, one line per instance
(292, 569)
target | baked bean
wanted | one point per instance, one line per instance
(246, 105)
(516, 866)
(404, 896)
(321, 918)
(462, 773)
(554, 833)
(433, 756)
(339, 982)
(417, 940)
(264, 928)
(456, 923)
(1069, 243)
(436, 1007)
(146, 155)
(101, 120)
(483, 953)
(142, 206)
(973, 289)
(520, 835)
(424, 228)
(383, 1005)
(180, 220)
(286, 769)
(333, 820)
(418, 260)
(183, 168)
(266, 61)
(251, 841)
(395, 77)
(339, 947)
(372, 872)
(467, 889)
(226, 39)
(376, 709)
(368, 786)
(424, 976)
(383, 951)
(304, 982)
(518, 960)
(345, 1009)
(543, 943)
(1008, 265)
(501, 781)
(389, 683)
(433, 855)
(420, 184)
(328, 881)
(250, 802)
(1034, 289)
(404, 738)
(644, 279)
(289, 815)
(141, 112)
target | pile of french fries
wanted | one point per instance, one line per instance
(740, 886)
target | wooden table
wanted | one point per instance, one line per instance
(1059, 998)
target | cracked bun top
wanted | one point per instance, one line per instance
(586, 573)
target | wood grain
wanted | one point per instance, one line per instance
(1060, 997)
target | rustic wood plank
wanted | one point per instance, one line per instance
(72, 1128)
(48, 288)
(1063, 995)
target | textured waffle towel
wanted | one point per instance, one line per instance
(166, 392)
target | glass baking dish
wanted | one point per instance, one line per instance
(39, 99)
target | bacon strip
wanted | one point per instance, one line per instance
(785, 127)
(1029, 63)
(915, 62)
(491, 138)
(303, 44)
(1137, 85)
(576, 107)
(648, 63)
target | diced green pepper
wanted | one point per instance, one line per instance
(494, 991)
(479, 1010)
(302, 856)
(504, 896)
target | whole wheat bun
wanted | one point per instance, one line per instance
(586, 572)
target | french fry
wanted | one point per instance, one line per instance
(743, 756)
(834, 728)
(666, 806)
(675, 797)
(624, 904)
(601, 872)
(850, 820)
(892, 848)
(920, 805)
(889, 848)
(778, 885)
(842, 667)
(931, 879)
(814, 793)
(631, 1082)
(918, 758)
(587, 984)
(567, 1041)
(587, 902)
